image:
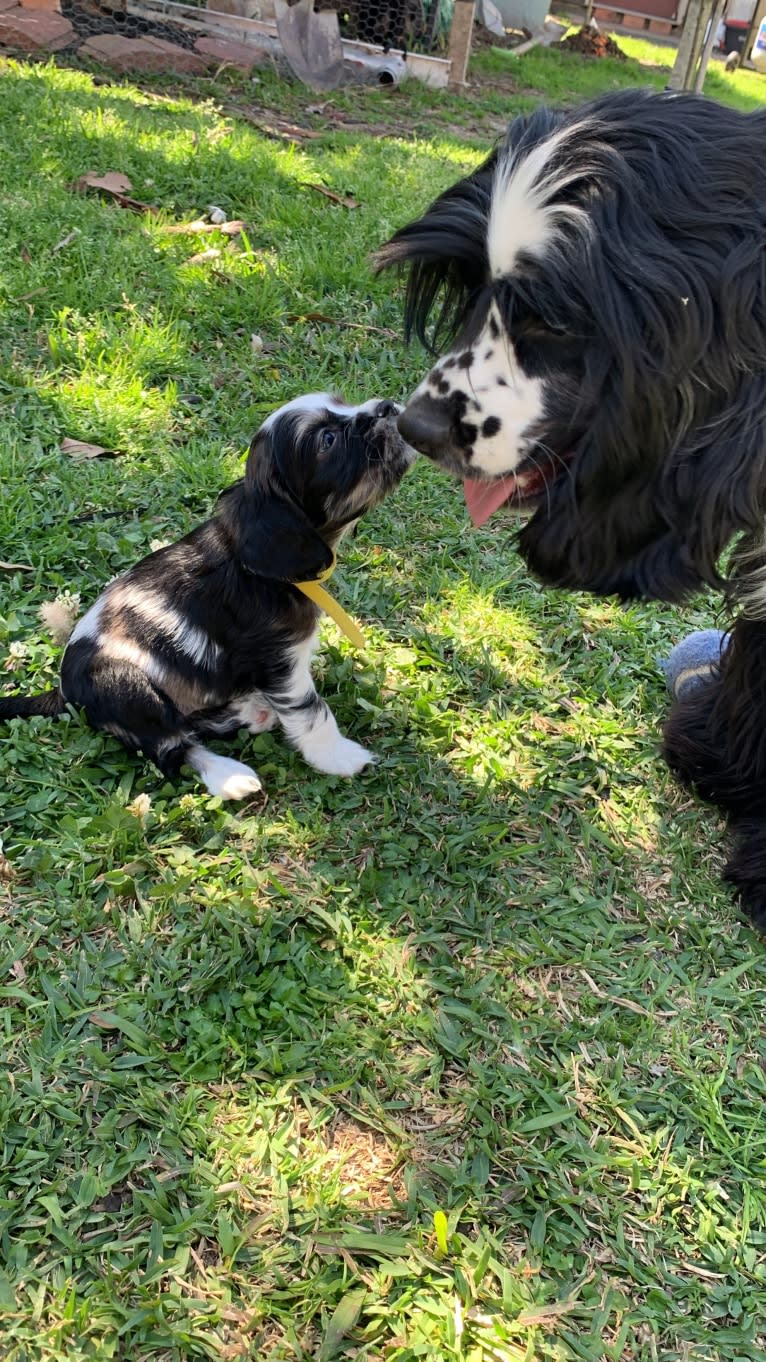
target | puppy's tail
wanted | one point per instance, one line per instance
(48, 702)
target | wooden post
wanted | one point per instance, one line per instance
(715, 19)
(685, 44)
(459, 49)
(699, 39)
(690, 46)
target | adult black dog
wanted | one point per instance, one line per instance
(598, 295)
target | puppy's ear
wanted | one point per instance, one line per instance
(273, 538)
(280, 542)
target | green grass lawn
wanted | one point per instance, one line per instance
(463, 1059)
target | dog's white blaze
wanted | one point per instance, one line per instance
(184, 635)
(498, 390)
(223, 777)
(311, 404)
(517, 404)
(522, 218)
(89, 625)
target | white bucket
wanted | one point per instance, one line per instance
(758, 53)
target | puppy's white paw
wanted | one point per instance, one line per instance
(241, 783)
(344, 758)
(223, 777)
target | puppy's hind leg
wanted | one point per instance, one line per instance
(121, 697)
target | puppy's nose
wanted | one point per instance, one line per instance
(386, 408)
(425, 425)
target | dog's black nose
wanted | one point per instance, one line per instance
(425, 425)
(386, 409)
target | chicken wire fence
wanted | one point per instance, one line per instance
(412, 25)
(417, 26)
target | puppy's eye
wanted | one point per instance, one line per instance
(327, 439)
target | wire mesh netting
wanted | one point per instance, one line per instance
(412, 25)
(417, 26)
(92, 18)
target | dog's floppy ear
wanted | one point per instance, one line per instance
(444, 257)
(277, 540)
(271, 536)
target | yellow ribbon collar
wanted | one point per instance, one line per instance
(317, 593)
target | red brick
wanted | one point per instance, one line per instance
(51, 5)
(143, 54)
(34, 30)
(662, 26)
(636, 21)
(233, 54)
(605, 16)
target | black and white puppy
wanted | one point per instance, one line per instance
(598, 294)
(209, 635)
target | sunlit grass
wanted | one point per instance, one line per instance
(459, 1060)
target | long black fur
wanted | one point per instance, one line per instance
(647, 317)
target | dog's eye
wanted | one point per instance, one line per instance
(327, 439)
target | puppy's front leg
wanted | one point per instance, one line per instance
(224, 777)
(310, 724)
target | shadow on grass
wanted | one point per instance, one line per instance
(220, 1008)
(483, 976)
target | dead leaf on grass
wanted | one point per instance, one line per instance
(24, 297)
(543, 1314)
(195, 228)
(115, 186)
(81, 449)
(7, 873)
(25, 255)
(284, 132)
(338, 321)
(344, 200)
(15, 567)
(203, 256)
(111, 183)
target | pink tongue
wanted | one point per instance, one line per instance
(482, 498)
